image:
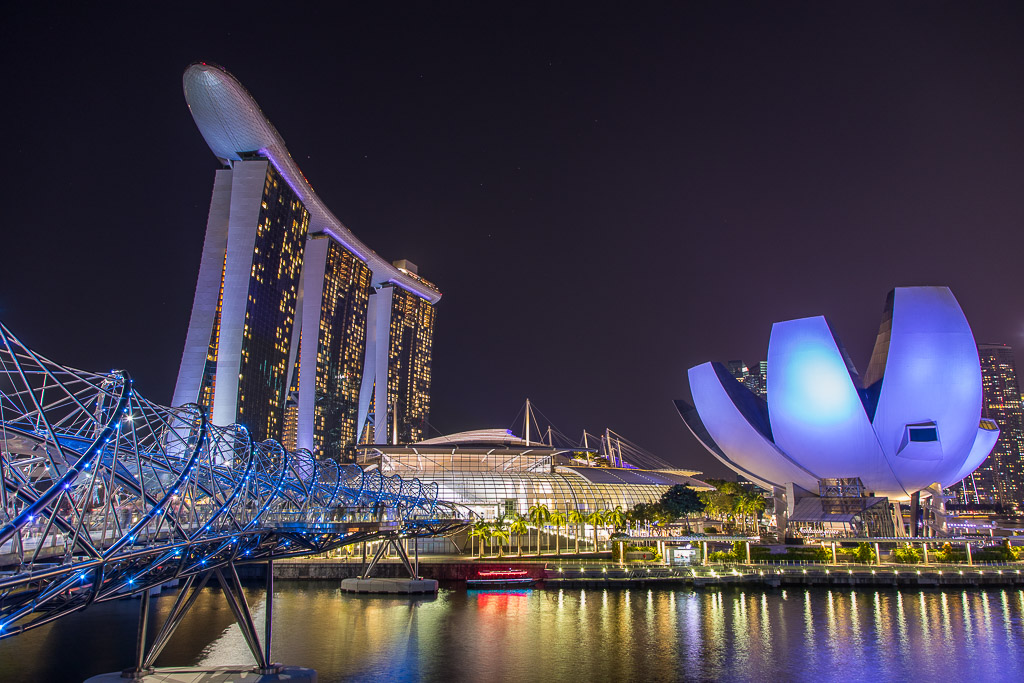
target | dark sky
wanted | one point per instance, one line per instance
(606, 195)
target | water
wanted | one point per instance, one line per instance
(567, 635)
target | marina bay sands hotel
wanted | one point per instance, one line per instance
(298, 330)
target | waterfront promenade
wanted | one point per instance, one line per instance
(590, 572)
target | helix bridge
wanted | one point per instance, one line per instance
(106, 494)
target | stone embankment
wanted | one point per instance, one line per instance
(925, 576)
(609, 575)
(340, 569)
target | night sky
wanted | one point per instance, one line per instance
(606, 196)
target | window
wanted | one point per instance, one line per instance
(924, 434)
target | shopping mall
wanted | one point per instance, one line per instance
(497, 474)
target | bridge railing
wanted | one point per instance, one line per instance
(122, 492)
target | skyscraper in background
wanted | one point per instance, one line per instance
(753, 378)
(292, 313)
(1000, 478)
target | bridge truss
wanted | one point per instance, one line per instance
(106, 494)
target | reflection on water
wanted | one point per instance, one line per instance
(566, 635)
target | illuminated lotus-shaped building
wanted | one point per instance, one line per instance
(913, 420)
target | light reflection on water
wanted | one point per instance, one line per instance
(567, 635)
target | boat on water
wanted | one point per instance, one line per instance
(500, 577)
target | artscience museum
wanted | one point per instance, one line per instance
(911, 422)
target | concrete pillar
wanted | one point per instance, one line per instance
(380, 301)
(204, 306)
(970, 559)
(781, 509)
(915, 507)
(314, 265)
(878, 554)
(704, 553)
(835, 556)
(248, 180)
(924, 552)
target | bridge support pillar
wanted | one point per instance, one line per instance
(181, 607)
(236, 601)
(140, 669)
(404, 558)
(376, 558)
(268, 626)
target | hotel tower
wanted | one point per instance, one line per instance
(299, 331)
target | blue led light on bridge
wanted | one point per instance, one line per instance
(261, 484)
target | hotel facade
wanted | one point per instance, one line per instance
(299, 331)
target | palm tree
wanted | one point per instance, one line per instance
(635, 517)
(471, 536)
(753, 505)
(481, 530)
(743, 508)
(558, 519)
(596, 519)
(501, 534)
(539, 515)
(576, 517)
(616, 518)
(519, 527)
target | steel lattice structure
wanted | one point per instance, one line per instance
(106, 493)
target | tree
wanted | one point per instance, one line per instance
(596, 519)
(615, 518)
(730, 488)
(481, 530)
(633, 519)
(501, 534)
(558, 519)
(721, 503)
(539, 515)
(644, 513)
(864, 553)
(752, 504)
(519, 528)
(682, 501)
(576, 517)
(907, 555)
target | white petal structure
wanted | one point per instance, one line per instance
(914, 420)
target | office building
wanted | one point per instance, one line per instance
(1000, 478)
(754, 377)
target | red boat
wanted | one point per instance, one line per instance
(500, 577)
